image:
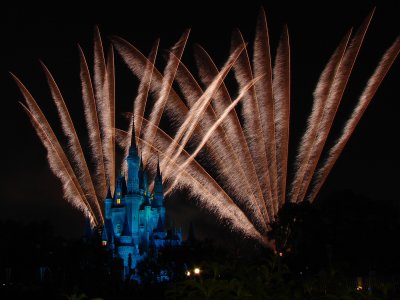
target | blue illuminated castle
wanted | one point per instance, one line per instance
(135, 218)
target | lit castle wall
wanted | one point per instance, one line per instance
(134, 217)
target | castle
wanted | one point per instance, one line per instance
(135, 218)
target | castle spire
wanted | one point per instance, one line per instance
(133, 147)
(158, 188)
(133, 161)
(109, 196)
(158, 168)
(104, 236)
(108, 201)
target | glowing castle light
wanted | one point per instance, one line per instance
(242, 173)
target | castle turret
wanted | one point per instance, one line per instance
(104, 237)
(108, 204)
(158, 194)
(158, 188)
(107, 236)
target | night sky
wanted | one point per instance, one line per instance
(369, 165)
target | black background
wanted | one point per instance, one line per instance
(51, 33)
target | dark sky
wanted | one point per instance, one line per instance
(30, 191)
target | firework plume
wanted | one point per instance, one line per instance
(228, 147)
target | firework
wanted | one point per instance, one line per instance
(235, 162)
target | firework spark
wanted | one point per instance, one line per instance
(234, 160)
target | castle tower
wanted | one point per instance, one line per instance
(134, 197)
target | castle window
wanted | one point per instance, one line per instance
(118, 229)
(118, 201)
(104, 243)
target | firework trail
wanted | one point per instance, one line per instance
(108, 138)
(263, 88)
(238, 173)
(59, 161)
(72, 190)
(366, 97)
(75, 149)
(252, 124)
(335, 94)
(79, 183)
(104, 106)
(281, 94)
(320, 95)
(89, 106)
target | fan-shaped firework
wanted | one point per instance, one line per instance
(241, 175)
